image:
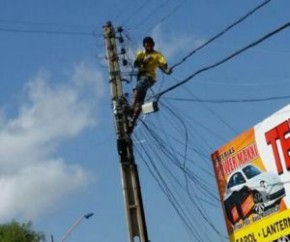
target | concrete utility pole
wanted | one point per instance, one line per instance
(129, 173)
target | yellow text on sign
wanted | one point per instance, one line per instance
(267, 229)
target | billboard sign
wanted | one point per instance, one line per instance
(253, 177)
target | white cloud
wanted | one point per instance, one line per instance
(30, 171)
(33, 189)
(174, 44)
(86, 76)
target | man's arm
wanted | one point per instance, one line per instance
(163, 65)
(165, 69)
(137, 63)
(139, 60)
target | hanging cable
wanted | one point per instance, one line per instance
(274, 32)
(149, 16)
(215, 114)
(170, 175)
(167, 190)
(222, 32)
(29, 31)
(230, 100)
(136, 12)
(169, 14)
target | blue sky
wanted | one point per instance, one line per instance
(58, 154)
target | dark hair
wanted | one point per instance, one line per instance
(148, 40)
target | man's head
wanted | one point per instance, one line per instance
(148, 44)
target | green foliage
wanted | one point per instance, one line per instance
(15, 232)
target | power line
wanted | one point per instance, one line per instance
(121, 9)
(215, 114)
(274, 32)
(230, 100)
(149, 16)
(53, 32)
(167, 16)
(166, 155)
(167, 188)
(222, 32)
(136, 11)
(50, 24)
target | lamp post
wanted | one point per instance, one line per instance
(75, 224)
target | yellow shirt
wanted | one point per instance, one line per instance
(150, 62)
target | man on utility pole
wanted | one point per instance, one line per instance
(147, 61)
(129, 172)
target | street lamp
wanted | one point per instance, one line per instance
(75, 224)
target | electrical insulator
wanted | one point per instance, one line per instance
(121, 39)
(120, 29)
(124, 62)
(123, 51)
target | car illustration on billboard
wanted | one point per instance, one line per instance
(250, 190)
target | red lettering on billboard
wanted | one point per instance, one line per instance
(277, 136)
